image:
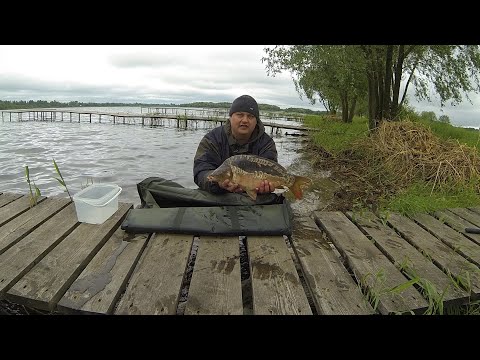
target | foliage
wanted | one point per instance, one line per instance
(35, 193)
(408, 167)
(60, 180)
(447, 70)
(444, 119)
(334, 135)
(329, 74)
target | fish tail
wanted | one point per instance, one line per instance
(298, 184)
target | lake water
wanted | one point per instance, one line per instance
(106, 153)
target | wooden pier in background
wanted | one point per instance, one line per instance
(333, 263)
(180, 117)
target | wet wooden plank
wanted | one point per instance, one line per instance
(6, 198)
(16, 229)
(408, 259)
(457, 223)
(276, 287)
(333, 289)
(15, 208)
(452, 238)
(100, 285)
(371, 268)
(154, 288)
(442, 255)
(215, 287)
(19, 259)
(44, 285)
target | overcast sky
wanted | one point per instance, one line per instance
(160, 74)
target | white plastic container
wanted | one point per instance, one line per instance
(96, 203)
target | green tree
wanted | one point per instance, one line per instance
(444, 119)
(332, 75)
(387, 70)
(428, 115)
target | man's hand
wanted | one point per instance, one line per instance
(265, 187)
(230, 186)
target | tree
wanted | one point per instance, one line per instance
(447, 70)
(444, 119)
(333, 75)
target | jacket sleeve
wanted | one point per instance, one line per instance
(207, 159)
(269, 150)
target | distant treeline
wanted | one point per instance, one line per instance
(30, 104)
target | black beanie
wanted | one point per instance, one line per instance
(245, 103)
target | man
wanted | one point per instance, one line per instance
(243, 133)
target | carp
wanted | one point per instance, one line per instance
(249, 170)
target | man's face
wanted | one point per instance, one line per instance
(243, 124)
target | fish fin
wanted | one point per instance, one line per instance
(299, 183)
(252, 194)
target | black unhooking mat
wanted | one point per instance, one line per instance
(170, 208)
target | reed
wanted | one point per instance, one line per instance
(61, 180)
(35, 193)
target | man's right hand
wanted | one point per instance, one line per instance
(230, 186)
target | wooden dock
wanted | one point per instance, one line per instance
(182, 117)
(334, 263)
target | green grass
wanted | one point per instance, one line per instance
(418, 198)
(333, 135)
(470, 137)
(336, 137)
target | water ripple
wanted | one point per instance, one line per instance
(124, 155)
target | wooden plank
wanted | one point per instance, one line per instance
(15, 208)
(276, 287)
(408, 259)
(452, 238)
(19, 259)
(215, 287)
(333, 289)
(457, 223)
(6, 198)
(467, 214)
(16, 229)
(44, 285)
(154, 288)
(475, 209)
(442, 255)
(100, 285)
(371, 268)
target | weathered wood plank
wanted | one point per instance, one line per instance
(44, 285)
(100, 285)
(8, 198)
(215, 287)
(452, 238)
(371, 268)
(15, 208)
(154, 288)
(442, 255)
(16, 229)
(333, 289)
(276, 287)
(19, 259)
(468, 214)
(457, 223)
(475, 209)
(408, 259)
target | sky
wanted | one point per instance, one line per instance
(163, 74)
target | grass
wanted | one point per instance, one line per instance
(34, 193)
(61, 180)
(419, 166)
(334, 135)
